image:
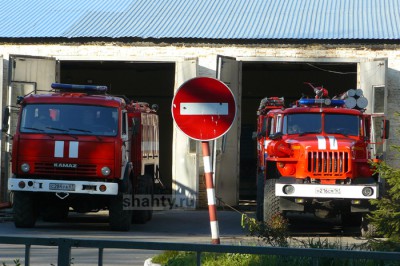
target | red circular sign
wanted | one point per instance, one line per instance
(204, 108)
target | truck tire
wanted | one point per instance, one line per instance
(145, 188)
(24, 207)
(271, 202)
(260, 197)
(119, 216)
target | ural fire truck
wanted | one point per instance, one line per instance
(79, 149)
(315, 157)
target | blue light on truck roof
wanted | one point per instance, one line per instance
(321, 101)
(337, 102)
(79, 88)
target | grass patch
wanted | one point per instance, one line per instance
(228, 259)
(275, 234)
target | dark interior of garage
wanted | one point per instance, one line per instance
(281, 79)
(153, 82)
(140, 81)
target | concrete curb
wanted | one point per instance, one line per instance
(149, 263)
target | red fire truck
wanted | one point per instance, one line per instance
(315, 155)
(80, 149)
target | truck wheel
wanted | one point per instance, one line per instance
(260, 197)
(145, 188)
(271, 202)
(25, 213)
(119, 216)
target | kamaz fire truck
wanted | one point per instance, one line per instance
(80, 149)
(315, 156)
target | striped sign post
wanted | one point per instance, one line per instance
(212, 206)
(204, 109)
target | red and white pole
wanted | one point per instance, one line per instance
(212, 209)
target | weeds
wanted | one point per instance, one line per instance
(16, 263)
(273, 233)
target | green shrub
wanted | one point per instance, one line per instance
(386, 216)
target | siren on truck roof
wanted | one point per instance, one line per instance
(359, 103)
(351, 99)
(62, 87)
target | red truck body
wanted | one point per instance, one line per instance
(81, 149)
(315, 156)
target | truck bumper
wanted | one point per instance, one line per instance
(370, 191)
(62, 186)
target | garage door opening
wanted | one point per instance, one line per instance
(281, 79)
(151, 82)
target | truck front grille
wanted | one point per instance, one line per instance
(81, 170)
(328, 162)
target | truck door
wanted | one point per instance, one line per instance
(185, 164)
(373, 83)
(27, 74)
(227, 148)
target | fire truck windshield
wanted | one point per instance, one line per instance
(302, 123)
(308, 123)
(69, 119)
(342, 124)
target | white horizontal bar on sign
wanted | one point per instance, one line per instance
(204, 108)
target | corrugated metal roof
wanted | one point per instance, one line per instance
(204, 19)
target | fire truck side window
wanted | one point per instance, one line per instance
(278, 124)
(271, 126)
(124, 123)
(265, 127)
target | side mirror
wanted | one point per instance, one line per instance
(154, 107)
(20, 99)
(258, 135)
(385, 129)
(255, 135)
(6, 117)
(277, 135)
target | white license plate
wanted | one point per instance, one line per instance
(64, 187)
(328, 191)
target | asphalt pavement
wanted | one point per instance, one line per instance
(176, 226)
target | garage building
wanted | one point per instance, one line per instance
(145, 49)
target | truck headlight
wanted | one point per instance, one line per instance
(105, 171)
(368, 191)
(288, 189)
(25, 167)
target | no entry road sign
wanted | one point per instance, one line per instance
(204, 108)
